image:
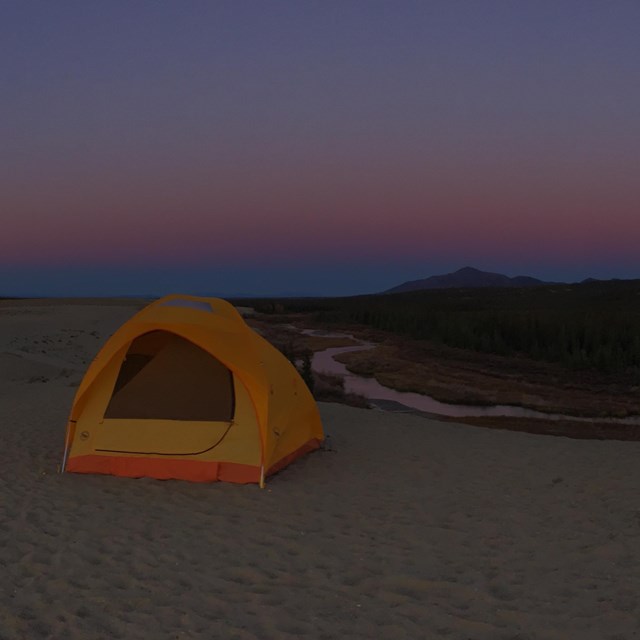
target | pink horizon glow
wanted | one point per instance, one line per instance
(500, 134)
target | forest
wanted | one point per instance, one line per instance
(592, 325)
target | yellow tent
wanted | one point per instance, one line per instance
(185, 389)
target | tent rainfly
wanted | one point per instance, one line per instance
(186, 390)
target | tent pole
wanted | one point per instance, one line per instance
(66, 452)
(262, 476)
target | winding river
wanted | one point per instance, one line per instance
(370, 388)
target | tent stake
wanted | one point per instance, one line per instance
(262, 476)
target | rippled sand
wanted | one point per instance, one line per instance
(411, 529)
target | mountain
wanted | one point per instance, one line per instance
(466, 278)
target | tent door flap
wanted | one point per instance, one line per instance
(160, 437)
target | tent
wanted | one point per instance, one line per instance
(186, 389)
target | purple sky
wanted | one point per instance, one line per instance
(315, 147)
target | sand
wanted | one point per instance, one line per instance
(413, 528)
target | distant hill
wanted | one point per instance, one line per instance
(467, 278)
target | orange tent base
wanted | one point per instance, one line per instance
(180, 469)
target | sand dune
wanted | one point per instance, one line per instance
(411, 529)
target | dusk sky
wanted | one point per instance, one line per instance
(310, 147)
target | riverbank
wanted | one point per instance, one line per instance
(578, 430)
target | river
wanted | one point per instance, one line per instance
(370, 388)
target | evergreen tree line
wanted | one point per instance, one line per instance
(586, 326)
(576, 340)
